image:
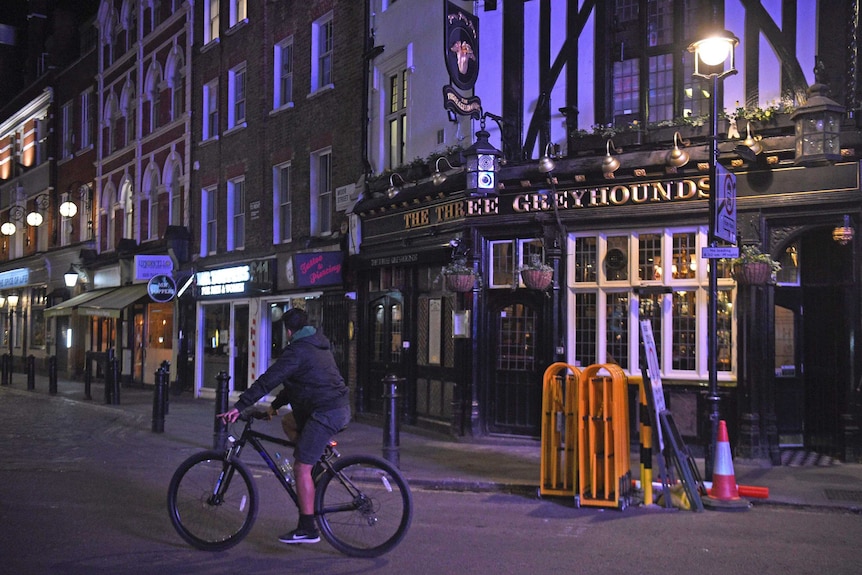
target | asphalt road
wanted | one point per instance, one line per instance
(83, 492)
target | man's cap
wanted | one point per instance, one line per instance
(295, 319)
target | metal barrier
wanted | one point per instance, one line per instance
(559, 430)
(604, 466)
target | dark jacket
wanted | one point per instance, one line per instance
(308, 371)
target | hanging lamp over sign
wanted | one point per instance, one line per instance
(482, 163)
(818, 125)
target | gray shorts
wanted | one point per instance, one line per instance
(315, 431)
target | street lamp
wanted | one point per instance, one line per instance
(11, 304)
(712, 52)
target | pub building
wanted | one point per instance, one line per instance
(625, 245)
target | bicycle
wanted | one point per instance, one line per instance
(363, 505)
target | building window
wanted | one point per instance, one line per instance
(668, 287)
(210, 105)
(238, 11)
(626, 88)
(283, 74)
(509, 255)
(211, 18)
(321, 193)
(321, 63)
(68, 130)
(176, 196)
(128, 206)
(153, 218)
(236, 214)
(176, 84)
(283, 209)
(86, 139)
(396, 118)
(209, 225)
(236, 96)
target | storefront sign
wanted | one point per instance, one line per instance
(318, 269)
(236, 280)
(461, 53)
(147, 266)
(15, 278)
(161, 288)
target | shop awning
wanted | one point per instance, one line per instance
(71, 304)
(112, 303)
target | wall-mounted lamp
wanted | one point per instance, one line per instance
(35, 217)
(843, 234)
(71, 277)
(546, 162)
(610, 164)
(677, 157)
(482, 164)
(68, 208)
(394, 190)
(16, 214)
(439, 177)
(818, 126)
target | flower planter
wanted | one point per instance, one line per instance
(460, 282)
(537, 279)
(755, 273)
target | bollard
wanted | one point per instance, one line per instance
(114, 367)
(166, 366)
(220, 435)
(391, 439)
(4, 365)
(107, 374)
(7, 368)
(88, 375)
(159, 400)
(52, 375)
(31, 372)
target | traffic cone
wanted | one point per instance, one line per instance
(724, 493)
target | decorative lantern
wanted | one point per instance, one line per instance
(482, 162)
(818, 127)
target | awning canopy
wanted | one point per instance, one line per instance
(71, 304)
(114, 301)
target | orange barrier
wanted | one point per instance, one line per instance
(559, 442)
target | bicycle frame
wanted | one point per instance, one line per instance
(257, 439)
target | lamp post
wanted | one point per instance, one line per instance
(710, 55)
(11, 304)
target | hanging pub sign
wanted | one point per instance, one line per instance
(461, 52)
(318, 269)
(161, 288)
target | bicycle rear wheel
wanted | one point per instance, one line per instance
(365, 507)
(212, 504)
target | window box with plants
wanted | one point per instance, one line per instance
(754, 267)
(536, 274)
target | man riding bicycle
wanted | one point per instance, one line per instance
(321, 406)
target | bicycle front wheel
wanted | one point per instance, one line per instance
(364, 506)
(212, 503)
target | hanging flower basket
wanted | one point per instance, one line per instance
(537, 279)
(756, 273)
(460, 282)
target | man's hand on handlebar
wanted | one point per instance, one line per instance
(229, 416)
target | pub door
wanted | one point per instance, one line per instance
(385, 353)
(519, 354)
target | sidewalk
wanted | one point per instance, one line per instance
(432, 461)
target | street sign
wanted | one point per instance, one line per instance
(725, 205)
(720, 253)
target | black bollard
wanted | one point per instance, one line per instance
(220, 435)
(52, 375)
(391, 439)
(31, 372)
(5, 373)
(159, 400)
(88, 375)
(114, 367)
(166, 366)
(108, 374)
